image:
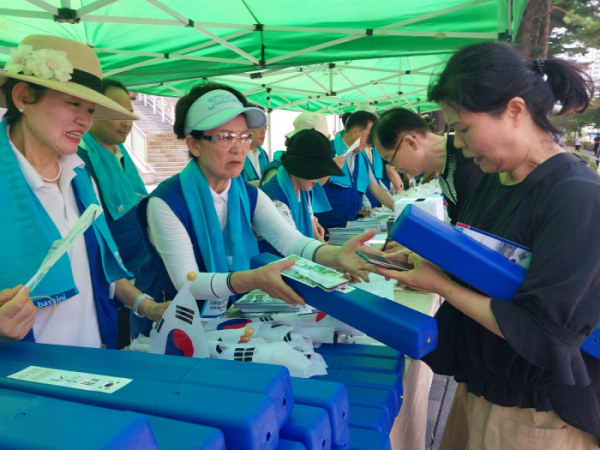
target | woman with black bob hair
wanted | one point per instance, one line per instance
(523, 381)
(202, 220)
(404, 141)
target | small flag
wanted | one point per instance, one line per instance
(179, 332)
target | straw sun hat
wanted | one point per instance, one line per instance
(66, 66)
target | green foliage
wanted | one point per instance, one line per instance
(573, 27)
(574, 123)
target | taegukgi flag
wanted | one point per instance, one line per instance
(179, 332)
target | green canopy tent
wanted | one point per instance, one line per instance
(326, 56)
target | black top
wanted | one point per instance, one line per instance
(539, 364)
(458, 179)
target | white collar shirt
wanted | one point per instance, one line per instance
(350, 159)
(75, 321)
(254, 159)
(220, 201)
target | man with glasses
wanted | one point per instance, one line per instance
(346, 193)
(404, 141)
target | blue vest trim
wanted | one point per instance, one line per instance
(105, 307)
(126, 231)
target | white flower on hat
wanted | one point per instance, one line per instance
(48, 63)
(19, 59)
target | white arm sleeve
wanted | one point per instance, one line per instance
(172, 242)
(279, 233)
(285, 212)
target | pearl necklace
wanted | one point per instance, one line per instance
(52, 180)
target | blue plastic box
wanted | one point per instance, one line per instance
(369, 418)
(176, 435)
(467, 259)
(365, 363)
(361, 439)
(32, 422)
(266, 379)
(247, 420)
(404, 329)
(370, 380)
(289, 445)
(458, 254)
(332, 397)
(374, 398)
(372, 351)
(309, 426)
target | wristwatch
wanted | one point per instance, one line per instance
(136, 303)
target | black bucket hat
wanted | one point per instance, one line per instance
(309, 156)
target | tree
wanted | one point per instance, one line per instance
(551, 27)
(574, 123)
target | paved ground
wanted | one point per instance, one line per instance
(440, 399)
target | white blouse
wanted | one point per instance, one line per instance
(172, 242)
(75, 321)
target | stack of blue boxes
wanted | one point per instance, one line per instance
(183, 403)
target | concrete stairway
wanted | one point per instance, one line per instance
(166, 155)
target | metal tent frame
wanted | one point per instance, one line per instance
(311, 70)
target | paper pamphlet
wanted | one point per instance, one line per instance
(313, 274)
(73, 380)
(378, 286)
(352, 147)
(60, 247)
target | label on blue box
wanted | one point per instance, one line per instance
(73, 380)
(515, 252)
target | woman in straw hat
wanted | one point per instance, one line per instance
(51, 89)
(202, 220)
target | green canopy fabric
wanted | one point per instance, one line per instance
(165, 47)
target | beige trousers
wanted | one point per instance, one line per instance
(476, 424)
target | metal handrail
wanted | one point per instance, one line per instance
(165, 108)
(137, 144)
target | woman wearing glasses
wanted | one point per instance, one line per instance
(202, 220)
(405, 143)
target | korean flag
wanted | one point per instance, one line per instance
(180, 331)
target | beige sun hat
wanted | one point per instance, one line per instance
(308, 120)
(66, 66)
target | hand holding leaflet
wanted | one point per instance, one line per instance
(61, 246)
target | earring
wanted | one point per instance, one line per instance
(21, 111)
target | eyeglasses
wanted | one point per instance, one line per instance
(226, 140)
(390, 162)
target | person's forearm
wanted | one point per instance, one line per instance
(242, 281)
(394, 178)
(328, 255)
(476, 306)
(126, 292)
(382, 196)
